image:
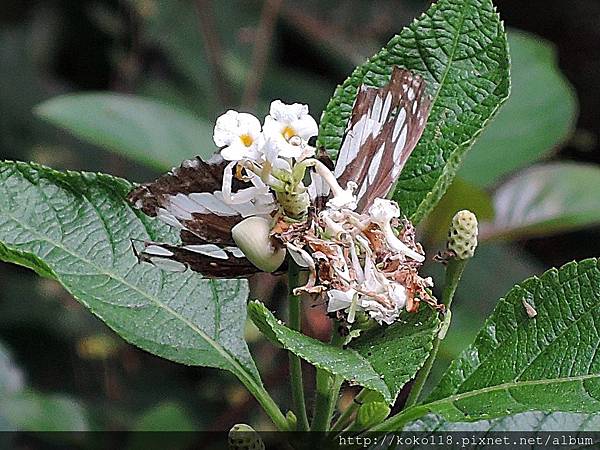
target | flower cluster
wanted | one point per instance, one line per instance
(357, 260)
(264, 155)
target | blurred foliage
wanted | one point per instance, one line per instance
(538, 117)
(545, 199)
(144, 130)
(26, 409)
(64, 360)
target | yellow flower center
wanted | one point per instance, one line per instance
(288, 133)
(246, 140)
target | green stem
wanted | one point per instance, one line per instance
(266, 401)
(454, 272)
(346, 416)
(295, 319)
(328, 387)
(397, 422)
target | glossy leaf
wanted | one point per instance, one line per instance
(460, 48)
(518, 363)
(147, 131)
(539, 115)
(382, 360)
(546, 199)
(78, 228)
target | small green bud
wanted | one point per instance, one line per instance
(291, 419)
(244, 437)
(252, 236)
(370, 414)
(462, 236)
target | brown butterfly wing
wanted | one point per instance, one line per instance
(385, 125)
(179, 258)
(163, 198)
(171, 199)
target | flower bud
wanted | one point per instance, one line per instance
(252, 236)
(291, 420)
(370, 414)
(462, 236)
(244, 437)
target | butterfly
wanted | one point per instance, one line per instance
(384, 127)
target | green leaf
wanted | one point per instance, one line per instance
(460, 48)
(532, 421)
(346, 363)
(476, 297)
(144, 130)
(382, 360)
(79, 227)
(32, 411)
(398, 351)
(167, 416)
(166, 425)
(546, 199)
(539, 116)
(518, 363)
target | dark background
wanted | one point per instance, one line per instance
(197, 54)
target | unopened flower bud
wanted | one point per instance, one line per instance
(370, 414)
(462, 236)
(252, 236)
(244, 437)
(291, 420)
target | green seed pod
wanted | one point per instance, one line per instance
(244, 437)
(370, 414)
(462, 236)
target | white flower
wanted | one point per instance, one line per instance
(254, 200)
(339, 299)
(290, 126)
(269, 151)
(377, 284)
(374, 281)
(301, 257)
(382, 212)
(238, 133)
(342, 198)
(332, 226)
